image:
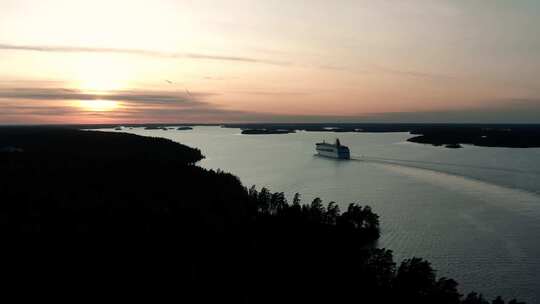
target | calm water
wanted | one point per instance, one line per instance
(473, 212)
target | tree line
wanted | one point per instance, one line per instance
(356, 218)
(337, 256)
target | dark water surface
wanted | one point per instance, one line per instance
(473, 212)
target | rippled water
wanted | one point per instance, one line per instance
(473, 212)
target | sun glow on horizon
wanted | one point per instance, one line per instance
(98, 105)
(98, 86)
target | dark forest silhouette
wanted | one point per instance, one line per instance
(143, 218)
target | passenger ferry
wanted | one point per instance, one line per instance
(336, 150)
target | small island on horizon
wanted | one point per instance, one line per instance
(266, 131)
(184, 128)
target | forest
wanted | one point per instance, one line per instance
(141, 216)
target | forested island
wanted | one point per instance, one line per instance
(152, 219)
(326, 127)
(266, 131)
(448, 135)
(185, 128)
(523, 136)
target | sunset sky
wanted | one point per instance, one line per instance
(112, 61)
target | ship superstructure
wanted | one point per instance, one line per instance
(336, 150)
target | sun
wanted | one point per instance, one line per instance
(98, 76)
(98, 105)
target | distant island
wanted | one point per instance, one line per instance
(503, 136)
(453, 146)
(164, 128)
(324, 127)
(447, 135)
(266, 131)
(155, 128)
(143, 203)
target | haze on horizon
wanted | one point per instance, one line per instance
(285, 61)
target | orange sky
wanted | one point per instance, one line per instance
(219, 61)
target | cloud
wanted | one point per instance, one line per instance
(23, 110)
(271, 93)
(37, 105)
(375, 68)
(371, 68)
(216, 78)
(133, 96)
(137, 52)
(42, 104)
(410, 73)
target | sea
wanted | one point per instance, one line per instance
(474, 212)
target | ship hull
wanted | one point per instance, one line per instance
(333, 153)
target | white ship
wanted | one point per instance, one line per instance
(336, 150)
